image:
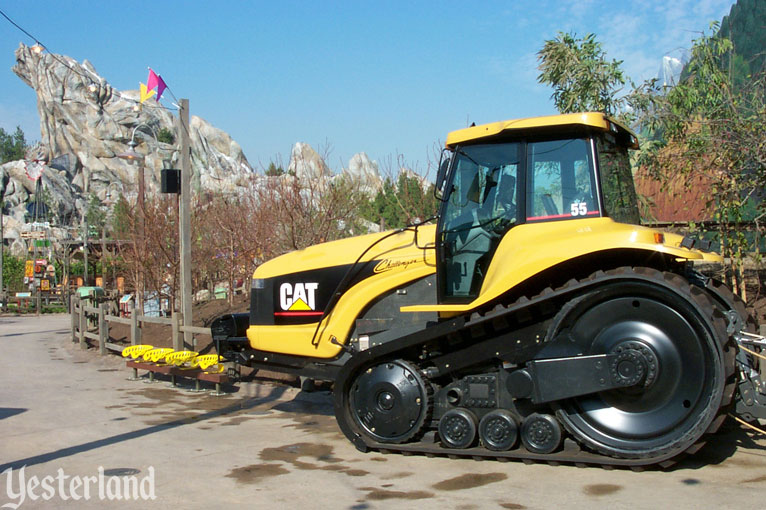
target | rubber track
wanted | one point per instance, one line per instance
(487, 322)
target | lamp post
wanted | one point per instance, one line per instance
(132, 156)
(184, 220)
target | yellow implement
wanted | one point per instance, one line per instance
(136, 351)
(180, 357)
(207, 361)
(156, 355)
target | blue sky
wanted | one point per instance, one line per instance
(389, 78)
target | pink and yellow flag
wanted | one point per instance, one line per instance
(155, 81)
(146, 93)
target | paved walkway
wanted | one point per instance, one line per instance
(69, 417)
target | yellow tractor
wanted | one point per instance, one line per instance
(536, 319)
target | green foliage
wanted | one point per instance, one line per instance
(273, 170)
(95, 215)
(744, 27)
(76, 268)
(12, 146)
(166, 136)
(400, 204)
(707, 126)
(122, 219)
(13, 272)
(581, 76)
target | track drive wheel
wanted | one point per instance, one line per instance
(389, 402)
(658, 318)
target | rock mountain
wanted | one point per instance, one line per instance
(85, 123)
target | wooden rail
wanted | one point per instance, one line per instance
(92, 323)
(26, 304)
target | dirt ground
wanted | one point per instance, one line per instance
(269, 446)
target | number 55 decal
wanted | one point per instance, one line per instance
(579, 208)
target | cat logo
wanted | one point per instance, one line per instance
(297, 299)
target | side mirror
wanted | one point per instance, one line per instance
(441, 175)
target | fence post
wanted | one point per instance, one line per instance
(72, 310)
(177, 338)
(103, 329)
(133, 326)
(39, 302)
(83, 325)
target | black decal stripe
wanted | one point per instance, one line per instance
(298, 314)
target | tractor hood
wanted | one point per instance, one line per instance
(391, 250)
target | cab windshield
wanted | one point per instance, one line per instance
(620, 199)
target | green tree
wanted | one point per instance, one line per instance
(709, 126)
(95, 215)
(273, 170)
(13, 272)
(12, 146)
(580, 74)
(399, 204)
(122, 219)
(166, 136)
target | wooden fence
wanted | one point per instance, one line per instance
(92, 322)
(34, 302)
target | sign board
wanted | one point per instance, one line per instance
(45, 285)
(29, 269)
(23, 294)
(34, 234)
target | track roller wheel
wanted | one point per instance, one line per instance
(457, 428)
(498, 430)
(676, 330)
(389, 402)
(541, 433)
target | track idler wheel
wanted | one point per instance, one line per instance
(541, 433)
(498, 430)
(457, 428)
(390, 402)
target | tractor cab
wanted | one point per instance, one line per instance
(499, 176)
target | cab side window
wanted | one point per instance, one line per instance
(561, 180)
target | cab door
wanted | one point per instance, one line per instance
(481, 204)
